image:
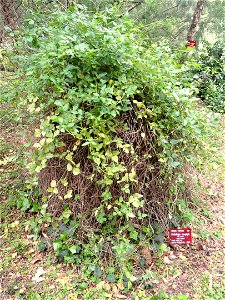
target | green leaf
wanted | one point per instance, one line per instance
(134, 235)
(98, 272)
(130, 276)
(66, 213)
(64, 182)
(136, 203)
(57, 245)
(26, 204)
(42, 246)
(163, 247)
(76, 171)
(174, 142)
(74, 249)
(110, 278)
(35, 207)
(131, 215)
(69, 194)
(175, 164)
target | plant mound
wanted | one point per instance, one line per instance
(117, 120)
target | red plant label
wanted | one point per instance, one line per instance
(180, 236)
(191, 44)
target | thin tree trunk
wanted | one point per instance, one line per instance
(9, 17)
(195, 20)
(136, 4)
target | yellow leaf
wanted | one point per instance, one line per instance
(76, 145)
(55, 191)
(14, 255)
(22, 290)
(119, 296)
(194, 235)
(37, 133)
(136, 203)
(107, 286)
(115, 289)
(37, 145)
(120, 286)
(15, 224)
(69, 167)
(73, 297)
(115, 158)
(103, 285)
(131, 215)
(182, 257)
(30, 251)
(100, 285)
(63, 280)
(69, 157)
(53, 183)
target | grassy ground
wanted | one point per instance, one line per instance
(195, 272)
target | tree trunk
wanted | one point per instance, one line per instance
(9, 16)
(8, 13)
(195, 20)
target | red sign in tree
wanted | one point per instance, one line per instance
(191, 44)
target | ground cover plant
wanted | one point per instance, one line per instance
(117, 121)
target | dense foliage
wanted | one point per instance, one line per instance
(165, 19)
(117, 121)
(210, 76)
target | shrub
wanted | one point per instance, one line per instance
(210, 75)
(117, 120)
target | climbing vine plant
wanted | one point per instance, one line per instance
(117, 120)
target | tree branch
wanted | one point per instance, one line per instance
(137, 3)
